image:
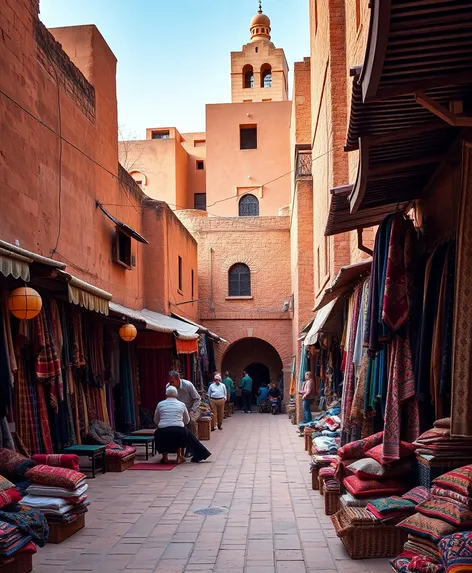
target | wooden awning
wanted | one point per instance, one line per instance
(345, 281)
(410, 99)
(123, 226)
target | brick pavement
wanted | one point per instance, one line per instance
(143, 522)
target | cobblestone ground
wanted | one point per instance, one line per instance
(143, 521)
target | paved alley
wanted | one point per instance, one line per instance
(143, 521)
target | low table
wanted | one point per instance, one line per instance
(140, 441)
(94, 453)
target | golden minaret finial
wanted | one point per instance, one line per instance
(260, 7)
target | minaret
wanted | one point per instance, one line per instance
(259, 72)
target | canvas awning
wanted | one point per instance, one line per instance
(15, 261)
(201, 328)
(327, 320)
(345, 281)
(157, 322)
(85, 294)
(123, 226)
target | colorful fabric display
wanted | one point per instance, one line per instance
(447, 510)
(11, 539)
(459, 480)
(359, 516)
(13, 465)
(9, 497)
(376, 453)
(390, 507)
(422, 546)
(456, 552)
(348, 500)
(70, 461)
(368, 468)
(425, 564)
(428, 527)
(441, 493)
(417, 494)
(326, 472)
(5, 484)
(357, 450)
(59, 477)
(52, 491)
(117, 451)
(29, 522)
(371, 488)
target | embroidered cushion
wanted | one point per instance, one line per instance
(459, 480)
(9, 496)
(440, 493)
(5, 484)
(371, 488)
(428, 527)
(369, 468)
(387, 505)
(442, 423)
(456, 552)
(417, 494)
(70, 461)
(58, 477)
(356, 450)
(13, 465)
(447, 510)
(406, 450)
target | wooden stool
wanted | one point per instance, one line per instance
(140, 441)
(95, 453)
(204, 429)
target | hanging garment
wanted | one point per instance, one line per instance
(5, 372)
(126, 377)
(445, 378)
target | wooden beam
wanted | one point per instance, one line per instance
(358, 190)
(398, 134)
(441, 112)
(396, 168)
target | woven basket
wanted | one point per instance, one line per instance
(428, 470)
(204, 429)
(315, 483)
(331, 500)
(376, 541)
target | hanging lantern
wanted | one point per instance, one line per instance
(128, 332)
(25, 303)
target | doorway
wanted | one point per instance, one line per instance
(260, 374)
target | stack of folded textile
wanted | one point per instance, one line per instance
(20, 533)
(439, 443)
(448, 511)
(9, 494)
(59, 493)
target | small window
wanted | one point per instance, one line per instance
(180, 273)
(122, 249)
(247, 100)
(199, 143)
(248, 136)
(199, 201)
(239, 280)
(269, 99)
(358, 14)
(266, 76)
(200, 165)
(193, 282)
(249, 206)
(257, 50)
(160, 134)
(248, 77)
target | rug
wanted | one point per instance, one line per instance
(153, 467)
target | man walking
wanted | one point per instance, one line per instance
(230, 387)
(187, 393)
(218, 395)
(246, 387)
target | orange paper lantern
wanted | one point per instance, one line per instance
(128, 332)
(25, 303)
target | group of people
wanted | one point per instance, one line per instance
(176, 416)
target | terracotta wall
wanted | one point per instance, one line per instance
(230, 168)
(195, 146)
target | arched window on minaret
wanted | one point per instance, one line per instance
(266, 76)
(248, 76)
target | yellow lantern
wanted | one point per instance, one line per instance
(25, 303)
(128, 332)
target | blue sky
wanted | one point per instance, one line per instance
(174, 55)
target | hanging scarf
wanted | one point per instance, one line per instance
(48, 365)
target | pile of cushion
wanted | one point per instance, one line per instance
(438, 443)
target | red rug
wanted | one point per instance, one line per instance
(153, 467)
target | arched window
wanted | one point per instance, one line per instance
(248, 77)
(266, 76)
(249, 206)
(239, 280)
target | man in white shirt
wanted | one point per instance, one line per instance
(218, 395)
(188, 394)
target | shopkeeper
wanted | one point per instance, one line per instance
(188, 394)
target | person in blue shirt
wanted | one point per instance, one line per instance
(246, 387)
(263, 394)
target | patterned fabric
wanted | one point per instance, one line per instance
(456, 552)
(400, 563)
(386, 505)
(116, 451)
(428, 527)
(326, 472)
(5, 484)
(13, 465)
(443, 423)
(423, 546)
(9, 497)
(348, 500)
(371, 488)
(359, 516)
(357, 450)
(424, 564)
(48, 365)
(440, 493)
(400, 400)
(29, 522)
(417, 494)
(377, 453)
(459, 480)
(70, 461)
(447, 510)
(368, 468)
(59, 477)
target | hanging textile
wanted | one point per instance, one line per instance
(5, 372)
(156, 340)
(186, 346)
(292, 388)
(126, 378)
(304, 366)
(154, 368)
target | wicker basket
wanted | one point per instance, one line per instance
(428, 470)
(376, 541)
(204, 429)
(331, 499)
(315, 483)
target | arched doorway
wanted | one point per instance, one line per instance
(255, 355)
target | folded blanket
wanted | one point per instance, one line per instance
(52, 491)
(41, 502)
(59, 477)
(69, 461)
(30, 522)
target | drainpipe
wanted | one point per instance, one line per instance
(212, 306)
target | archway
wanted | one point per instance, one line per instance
(255, 355)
